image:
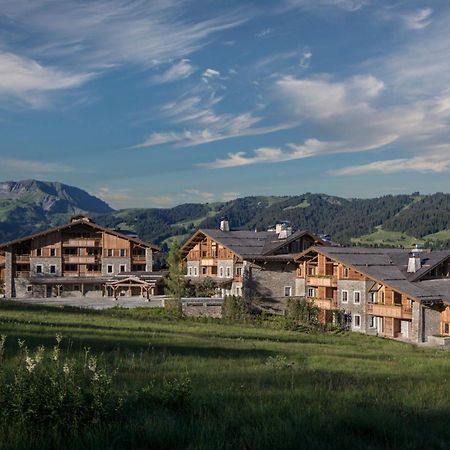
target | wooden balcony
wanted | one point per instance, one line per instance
(208, 262)
(82, 243)
(395, 311)
(322, 303)
(136, 259)
(321, 281)
(22, 274)
(68, 259)
(22, 258)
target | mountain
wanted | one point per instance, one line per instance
(392, 220)
(30, 205)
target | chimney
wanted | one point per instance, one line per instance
(414, 261)
(224, 224)
(283, 229)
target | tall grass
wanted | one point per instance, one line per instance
(204, 385)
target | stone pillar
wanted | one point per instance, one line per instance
(148, 260)
(416, 324)
(9, 278)
(431, 322)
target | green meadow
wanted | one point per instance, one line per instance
(207, 384)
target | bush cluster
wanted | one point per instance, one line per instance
(45, 391)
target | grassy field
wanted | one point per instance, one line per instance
(382, 237)
(251, 387)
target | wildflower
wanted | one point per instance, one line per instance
(55, 355)
(39, 356)
(58, 338)
(30, 364)
(21, 342)
(92, 364)
(66, 368)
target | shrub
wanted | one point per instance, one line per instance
(45, 392)
(301, 312)
(235, 308)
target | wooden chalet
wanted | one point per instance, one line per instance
(394, 293)
(80, 258)
(252, 263)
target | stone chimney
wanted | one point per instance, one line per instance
(224, 224)
(414, 261)
(283, 229)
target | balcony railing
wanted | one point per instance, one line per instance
(321, 281)
(322, 303)
(395, 311)
(22, 258)
(80, 259)
(82, 243)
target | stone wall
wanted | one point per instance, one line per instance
(267, 282)
(149, 260)
(300, 287)
(432, 322)
(116, 263)
(9, 287)
(206, 309)
(45, 263)
(192, 265)
(224, 264)
(355, 308)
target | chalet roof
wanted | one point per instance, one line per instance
(384, 265)
(75, 222)
(247, 244)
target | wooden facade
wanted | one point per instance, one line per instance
(71, 260)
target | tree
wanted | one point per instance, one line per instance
(175, 282)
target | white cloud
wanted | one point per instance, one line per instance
(430, 163)
(228, 196)
(200, 195)
(162, 200)
(114, 195)
(178, 71)
(31, 82)
(264, 33)
(418, 20)
(23, 166)
(305, 58)
(210, 73)
(347, 5)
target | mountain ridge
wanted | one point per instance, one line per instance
(29, 206)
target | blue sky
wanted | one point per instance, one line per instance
(156, 103)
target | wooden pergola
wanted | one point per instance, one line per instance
(147, 288)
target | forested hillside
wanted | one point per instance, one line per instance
(400, 220)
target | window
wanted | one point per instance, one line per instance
(52, 268)
(372, 322)
(239, 271)
(345, 272)
(356, 297)
(446, 328)
(311, 292)
(357, 321)
(287, 291)
(190, 271)
(38, 252)
(70, 268)
(195, 272)
(372, 297)
(53, 252)
(29, 288)
(109, 268)
(397, 298)
(110, 252)
(228, 272)
(221, 272)
(76, 287)
(123, 252)
(122, 268)
(344, 296)
(382, 297)
(38, 268)
(204, 270)
(238, 291)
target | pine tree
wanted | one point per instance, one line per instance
(175, 281)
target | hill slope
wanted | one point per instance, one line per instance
(30, 205)
(399, 220)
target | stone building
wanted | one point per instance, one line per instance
(80, 258)
(251, 263)
(394, 293)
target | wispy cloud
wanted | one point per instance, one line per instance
(31, 82)
(198, 195)
(178, 71)
(346, 5)
(418, 19)
(264, 33)
(25, 167)
(114, 195)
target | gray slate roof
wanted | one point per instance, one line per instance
(389, 266)
(253, 244)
